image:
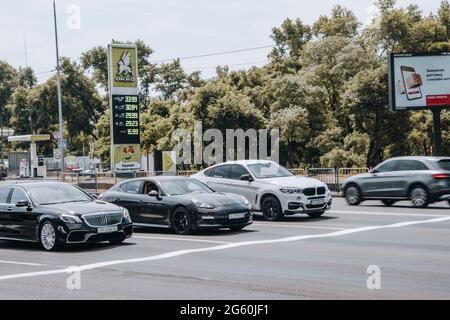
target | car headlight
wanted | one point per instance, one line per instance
(245, 200)
(201, 204)
(291, 190)
(126, 214)
(68, 218)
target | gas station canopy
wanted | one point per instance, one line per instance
(29, 138)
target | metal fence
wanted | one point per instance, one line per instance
(98, 182)
(333, 177)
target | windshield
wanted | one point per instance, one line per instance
(445, 164)
(184, 186)
(57, 193)
(268, 170)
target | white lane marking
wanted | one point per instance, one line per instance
(23, 263)
(388, 214)
(217, 248)
(294, 226)
(181, 239)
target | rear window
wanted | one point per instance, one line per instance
(445, 164)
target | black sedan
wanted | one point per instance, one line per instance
(56, 213)
(181, 203)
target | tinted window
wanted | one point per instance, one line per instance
(185, 186)
(237, 171)
(131, 187)
(411, 165)
(209, 172)
(4, 195)
(388, 166)
(265, 170)
(18, 195)
(221, 172)
(445, 164)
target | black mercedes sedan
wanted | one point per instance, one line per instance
(57, 213)
(181, 203)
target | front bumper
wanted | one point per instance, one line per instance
(215, 221)
(82, 233)
(304, 205)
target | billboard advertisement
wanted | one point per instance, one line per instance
(419, 81)
(127, 157)
(124, 104)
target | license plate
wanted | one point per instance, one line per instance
(237, 215)
(107, 229)
(317, 201)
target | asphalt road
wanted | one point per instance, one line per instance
(298, 258)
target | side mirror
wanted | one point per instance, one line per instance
(153, 193)
(246, 177)
(22, 203)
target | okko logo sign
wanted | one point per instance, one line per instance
(124, 104)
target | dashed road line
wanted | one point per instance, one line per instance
(294, 226)
(218, 248)
(181, 239)
(387, 214)
(23, 263)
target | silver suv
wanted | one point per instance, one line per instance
(269, 187)
(423, 180)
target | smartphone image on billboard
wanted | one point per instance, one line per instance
(412, 82)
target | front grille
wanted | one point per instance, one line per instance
(321, 190)
(309, 191)
(103, 219)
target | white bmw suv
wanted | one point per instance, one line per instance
(269, 187)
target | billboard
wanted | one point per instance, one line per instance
(124, 106)
(419, 81)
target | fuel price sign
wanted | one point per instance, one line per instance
(125, 119)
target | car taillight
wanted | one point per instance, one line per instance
(441, 176)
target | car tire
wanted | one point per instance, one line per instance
(181, 221)
(48, 236)
(388, 202)
(419, 197)
(315, 214)
(352, 195)
(117, 241)
(271, 208)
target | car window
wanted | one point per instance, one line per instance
(18, 195)
(149, 187)
(445, 164)
(209, 172)
(411, 165)
(388, 166)
(4, 193)
(131, 187)
(221, 172)
(184, 186)
(237, 171)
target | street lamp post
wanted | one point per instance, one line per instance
(58, 81)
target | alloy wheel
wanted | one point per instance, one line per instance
(352, 196)
(181, 222)
(419, 197)
(48, 236)
(271, 208)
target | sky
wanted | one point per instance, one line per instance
(173, 28)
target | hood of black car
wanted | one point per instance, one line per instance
(218, 199)
(79, 208)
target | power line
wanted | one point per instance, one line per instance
(44, 72)
(213, 54)
(228, 65)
